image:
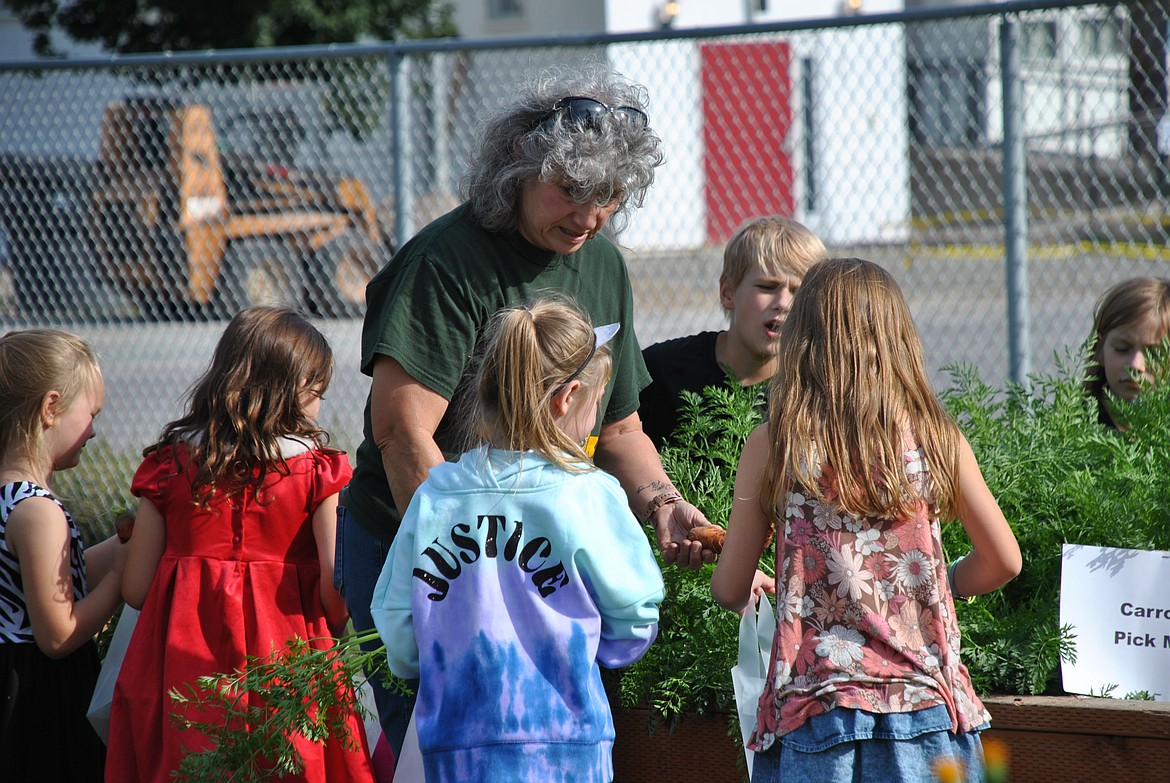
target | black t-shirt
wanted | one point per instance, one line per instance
(684, 363)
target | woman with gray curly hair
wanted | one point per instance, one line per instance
(571, 154)
(539, 139)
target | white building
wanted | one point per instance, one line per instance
(812, 125)
(1074, 68)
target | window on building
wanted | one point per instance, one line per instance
(1103, 36)
(1038, 40)
(504, 9)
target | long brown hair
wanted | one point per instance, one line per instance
(850, 387)
(249, 398)
(530, 354)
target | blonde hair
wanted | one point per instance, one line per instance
(774, 245)
(34, 362)
(850, 387)
(531, 353)
(1125, 304)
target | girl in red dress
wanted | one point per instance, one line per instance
(232, 554)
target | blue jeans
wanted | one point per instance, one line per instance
(359, 560)
(851, 745)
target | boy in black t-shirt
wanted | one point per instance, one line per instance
(763, 264)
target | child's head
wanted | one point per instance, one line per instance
(50, 390)
(772, 248)
(267, 374)
(1131, 317)
(852, 380)
(850, 327)
(542, 375)
(268, 370)
(763, 265)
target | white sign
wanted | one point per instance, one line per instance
(1118, 604)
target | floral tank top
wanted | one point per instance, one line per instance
(864, 617)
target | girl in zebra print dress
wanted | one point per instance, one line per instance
(54, 597)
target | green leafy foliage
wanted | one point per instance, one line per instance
(131, 26)
(688, 667)
(1059, 477)
(98, 490)
(1057, 474)
(355, 89)
(249, 719)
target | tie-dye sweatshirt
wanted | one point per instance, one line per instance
(507, 585)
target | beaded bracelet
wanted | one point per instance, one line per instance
(658, 501)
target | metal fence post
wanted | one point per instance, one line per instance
(401, 155)
(1015, 205)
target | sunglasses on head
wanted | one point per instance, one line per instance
(588, 112)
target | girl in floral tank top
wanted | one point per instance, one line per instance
(866, 682)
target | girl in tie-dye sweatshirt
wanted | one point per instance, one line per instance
(519, 569)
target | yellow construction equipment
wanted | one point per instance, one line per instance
(185, 226)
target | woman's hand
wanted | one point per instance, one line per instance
(627, 453)
(672, 525)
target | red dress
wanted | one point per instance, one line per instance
(237, 579)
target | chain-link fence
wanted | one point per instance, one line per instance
(144, 199)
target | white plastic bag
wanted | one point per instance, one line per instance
(756, 629)
(407, 768)
(103, 692)
(410, 764)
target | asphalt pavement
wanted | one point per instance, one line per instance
(956, 295)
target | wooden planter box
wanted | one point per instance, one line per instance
(1074, 738)
(1061, 739)
(697, 750)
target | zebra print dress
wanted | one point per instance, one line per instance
(44, 734)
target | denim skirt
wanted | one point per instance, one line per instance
(852, 746)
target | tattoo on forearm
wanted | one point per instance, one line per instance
(655, 486)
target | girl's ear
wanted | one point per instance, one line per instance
(49, 408)
(562, 401)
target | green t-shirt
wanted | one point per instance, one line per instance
(428, 307)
